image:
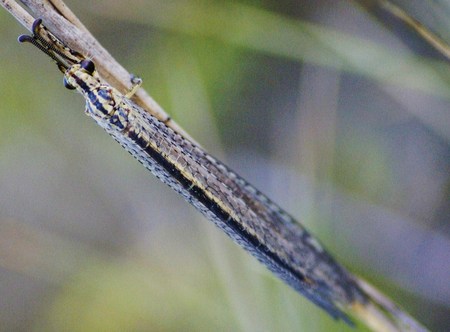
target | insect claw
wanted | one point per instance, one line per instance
(136, 84)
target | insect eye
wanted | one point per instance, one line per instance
(88, 65)
(68, 85)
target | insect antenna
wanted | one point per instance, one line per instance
(62, 60)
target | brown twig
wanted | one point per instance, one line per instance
(433, 39)
(68, 28)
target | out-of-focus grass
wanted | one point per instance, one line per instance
(92, 242)
(280, 36)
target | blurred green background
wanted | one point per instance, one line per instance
(335, 109)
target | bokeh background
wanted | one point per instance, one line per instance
(335, 109)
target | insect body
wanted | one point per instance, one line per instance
(245, 214)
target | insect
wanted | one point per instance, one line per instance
(250, 218)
